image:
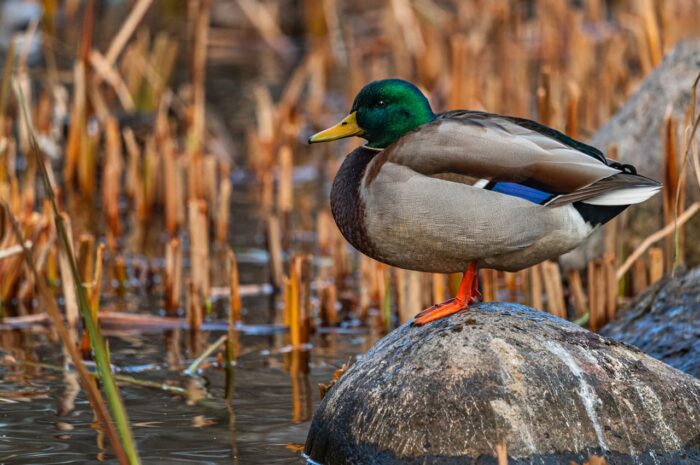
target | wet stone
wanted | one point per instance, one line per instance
(664, 322)
(449, 392)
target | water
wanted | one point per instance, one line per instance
(266, 422)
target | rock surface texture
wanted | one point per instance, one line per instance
(664, 322)
(450, 391)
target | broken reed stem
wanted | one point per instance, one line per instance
(577, 294)
(173, 277)
(118, 42)
(650, 240)
(98, 344)
(120, 378)
(552, 284)
(536, 286)
(656, 264)
(93, 393)
(235, 296)
(194, 366)
(199, 258)
(234, 316)
(224, 202)
(69, 293)
(298, 296)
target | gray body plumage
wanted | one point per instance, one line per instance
(448, 224)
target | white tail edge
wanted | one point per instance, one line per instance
(626, 196)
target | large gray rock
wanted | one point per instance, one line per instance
(664, 322)
(450, 391)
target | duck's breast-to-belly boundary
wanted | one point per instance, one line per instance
(427, 224)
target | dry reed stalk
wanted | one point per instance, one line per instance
(135, 54)
(69, 296)
(671, 181)
(274, 246)
(536, 287)
(328, 304)
(596, 295)
(544, 97)
(234, 286)
(158, 69)
(173, 276)
(572, 110)
(5, 86)
(656, 264)
(197, 125)
(413, 301)
(106, 73)
(87, 164)
(138, 11)
(459, 46)
(285, 187)
(195, 312)
(578, 296)
(224, 205)
(651, 239)
(511, 285)
(611, 287)
(489, 284)
(298, 301)
(552, 284)
(174, 195)
(111, 180)
(301, 389)
(439, 287)
(639, 277)
(77, 126)
(651, 31)
(86, 252)
(21, 79)
(400, 294)
(93, 290)
(267, 192)
(199, 251)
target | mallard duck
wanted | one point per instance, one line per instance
(454, 191)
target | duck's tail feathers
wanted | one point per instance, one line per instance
(618, 189)
(625, 196)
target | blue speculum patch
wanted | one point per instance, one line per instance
(524, 192)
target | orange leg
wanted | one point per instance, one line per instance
(468, 293)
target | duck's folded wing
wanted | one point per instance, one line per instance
(501, 150)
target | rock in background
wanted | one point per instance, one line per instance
(636, 131)
(664, 322)
(450, 391)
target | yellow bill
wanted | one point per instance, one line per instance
(346, 128)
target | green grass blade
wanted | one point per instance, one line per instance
(97, 343)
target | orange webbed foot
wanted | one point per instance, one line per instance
(467, 294)
(439, 311)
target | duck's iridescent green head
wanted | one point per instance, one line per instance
(383, 111)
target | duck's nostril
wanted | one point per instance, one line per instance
(344, 123)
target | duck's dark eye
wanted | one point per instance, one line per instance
(381, 103)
